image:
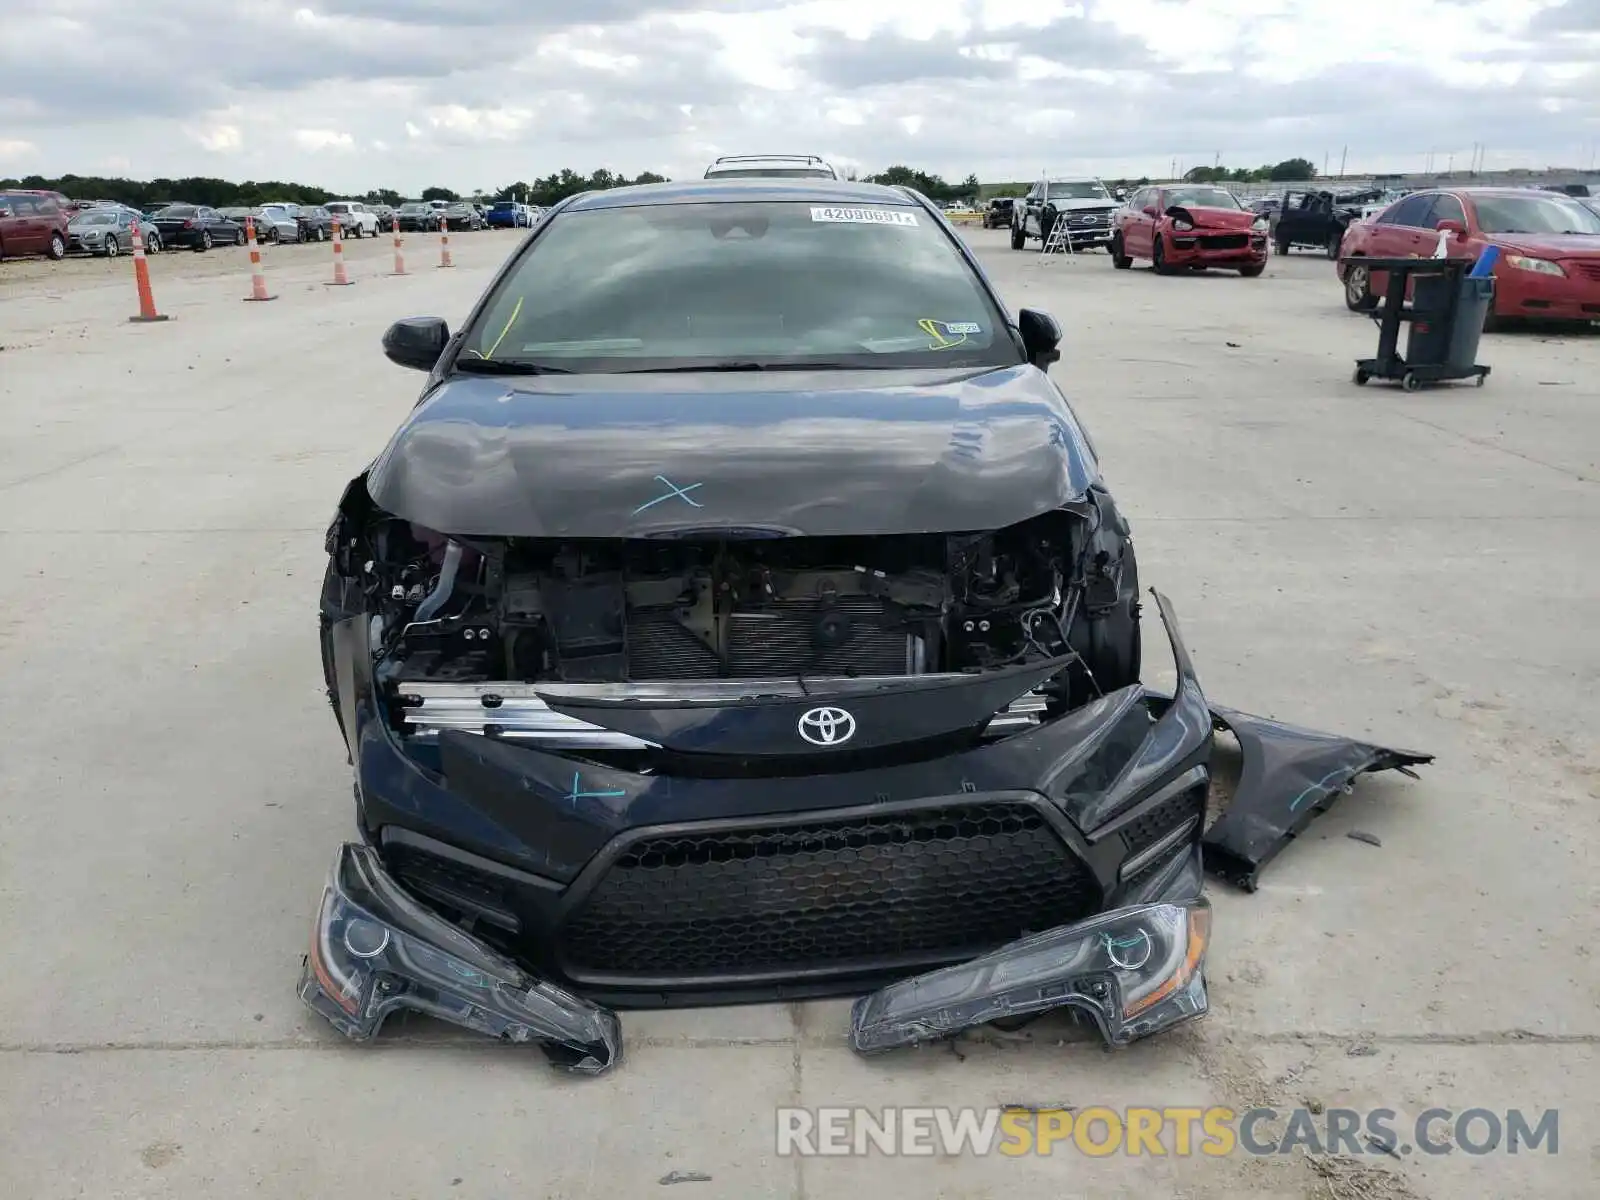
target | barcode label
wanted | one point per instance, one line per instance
(863, 216)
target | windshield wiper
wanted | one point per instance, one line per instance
(505, 366)
(737, 365)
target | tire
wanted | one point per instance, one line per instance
(1358, 295)
(238, 236)
(1252, 272)
(1335, 240)
(1158, 258)
(1360, 378)
(205, 241)
(1409, 382)
(58, 247)
(1281, 245)
(1119, 260)
(272, 235)
(322, 234)
(113, 247)
(154, 244)
(1019, 239)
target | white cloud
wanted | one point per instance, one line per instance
(461, 93)
(323, 139)
(218, 139)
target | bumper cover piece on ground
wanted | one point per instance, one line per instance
(1135, 971)
(1290, 776)
(374, 950)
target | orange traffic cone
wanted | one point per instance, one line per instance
(258, 274)
(141, 279)
(444, 243)
(399, 259)
(340, 277)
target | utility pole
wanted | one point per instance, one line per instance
(1451, 168)
(1325, 156)
(1174, 169)
(1343, 155)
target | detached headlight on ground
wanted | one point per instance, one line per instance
(375, 950)
(1136, 971)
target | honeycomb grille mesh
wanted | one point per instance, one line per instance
(937, 883)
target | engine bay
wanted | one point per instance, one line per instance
(460, 609)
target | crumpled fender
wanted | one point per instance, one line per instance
(1289, 777)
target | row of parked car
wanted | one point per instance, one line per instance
(48, 223)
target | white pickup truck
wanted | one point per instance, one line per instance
(354, 217)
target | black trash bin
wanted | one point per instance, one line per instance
(1448, 311)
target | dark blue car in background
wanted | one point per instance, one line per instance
(508, 214)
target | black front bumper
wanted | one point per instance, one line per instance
(750, 879)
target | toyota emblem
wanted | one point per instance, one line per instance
(827, 726)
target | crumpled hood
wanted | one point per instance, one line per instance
(1548, 245)
(1219, 218)
(811, 453)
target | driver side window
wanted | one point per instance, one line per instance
(1446, 208)
(1412, 211)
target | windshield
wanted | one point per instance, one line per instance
(1203, 197)
(1088, 190)
(741, 286)
(413, 206)
(1534, 214)
(95, 218)
(504, 205)
(177, 210)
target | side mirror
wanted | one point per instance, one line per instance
(1041, 337)
(1455, 227)
(416, 342)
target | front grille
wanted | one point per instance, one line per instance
(1588, 269)
(1224, 241)
(938, 884)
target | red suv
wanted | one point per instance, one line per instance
(32, 223)
(1189, 226)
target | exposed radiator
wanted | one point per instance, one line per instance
(514, 711)
(773, 641)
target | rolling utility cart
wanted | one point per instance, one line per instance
(1448, 309)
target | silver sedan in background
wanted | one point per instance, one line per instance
(273, 222)
(108, 230)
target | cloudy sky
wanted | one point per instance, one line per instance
(352, 94)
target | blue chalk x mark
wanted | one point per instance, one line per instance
(672, 490)
(577, 794)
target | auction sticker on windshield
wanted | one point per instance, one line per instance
(863, 216)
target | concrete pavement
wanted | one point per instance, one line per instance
(1417, 568)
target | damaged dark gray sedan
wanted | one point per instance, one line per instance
(741, 614)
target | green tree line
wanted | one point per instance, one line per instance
(224, 193)
(549, 189)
